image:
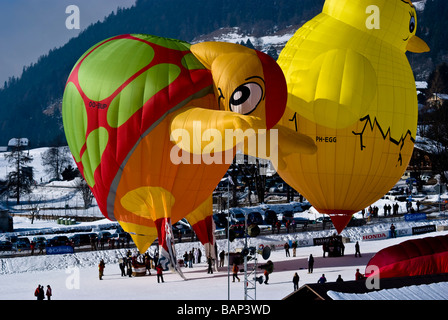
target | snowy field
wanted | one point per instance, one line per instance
(75, 276)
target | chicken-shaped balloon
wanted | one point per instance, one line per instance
(351, 88)
(145, 118)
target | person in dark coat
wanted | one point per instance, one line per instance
(222, 255)
(210, 264)
(295, 280)
(101, 267)
(122, 265)
(286, 246)
(39, 292)
(310, 263)
(322, 279)
(357, 251)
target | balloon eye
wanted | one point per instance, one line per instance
(246, 98)
(412, 24)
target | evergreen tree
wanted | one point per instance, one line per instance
(20, 179)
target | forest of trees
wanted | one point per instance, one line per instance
(30, 106)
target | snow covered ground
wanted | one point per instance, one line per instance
(75, 276)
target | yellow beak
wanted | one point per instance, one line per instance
(417, 45)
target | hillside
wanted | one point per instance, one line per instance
(35, 97)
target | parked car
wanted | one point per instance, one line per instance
(39, 242)
(104, 235)
(280, 187)
(22, 244)
(270, 217)
(58, 241)
(80, 239)
(237, 216)
(6, 246)
(355, 222)
(220, 220)
(182, 226)
(254, 218)
(322, 219)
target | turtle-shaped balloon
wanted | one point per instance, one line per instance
(140, 112)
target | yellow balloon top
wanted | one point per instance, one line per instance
(348, 63)
(396, 20)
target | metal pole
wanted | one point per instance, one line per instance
(228, 238)
(246, 282)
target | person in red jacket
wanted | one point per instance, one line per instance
(159, 273)
(358, 275)
(48, 293)
(235, 270)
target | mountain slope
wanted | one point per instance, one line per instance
(30, 106)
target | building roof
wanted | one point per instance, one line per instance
(427, 287)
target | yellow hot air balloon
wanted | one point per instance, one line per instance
(351, 88)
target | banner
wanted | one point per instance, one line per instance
(415, 216)
(424, 229)
(375, 236)
(59, 250)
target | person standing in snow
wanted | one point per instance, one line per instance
(294, 248)
(159, 273)
(37, 292)
(210, 264)
(392, 231)
(185, 256)
(197, 253)
(268, 269)
(286, 246)
(222, 255)
(101, 267)
(295, 280)
(357, 251)
(322, 279)
(122, 264)
(49, 292)
(310, 263)
(358, 275)
(235, 270)
(190, 259)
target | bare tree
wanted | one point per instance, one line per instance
(55, 159)
(87, 195)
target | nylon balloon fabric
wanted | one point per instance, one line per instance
(351, 88)
(145, 119)
(415, 257)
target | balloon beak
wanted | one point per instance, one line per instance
(276, 90)
(417, 45)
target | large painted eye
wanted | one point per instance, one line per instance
(412, 24)
(246, 98)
